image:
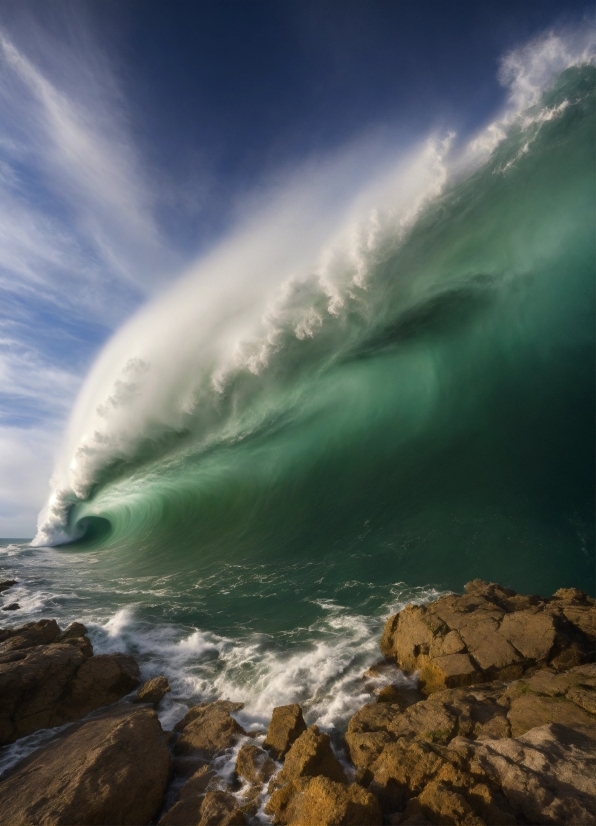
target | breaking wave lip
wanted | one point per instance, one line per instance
(180, 368)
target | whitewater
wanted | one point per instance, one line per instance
(336, 412)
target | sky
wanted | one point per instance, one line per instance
(135, 137)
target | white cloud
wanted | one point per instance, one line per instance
(81, 148)
(26, 459)
(79, 244)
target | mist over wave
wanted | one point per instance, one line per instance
(409, 381)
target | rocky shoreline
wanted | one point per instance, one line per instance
(501, 729)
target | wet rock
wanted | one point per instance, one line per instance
(287, 724)
(31, 687)
(388, 694)
(48, 678)
(186, 765)
(323, 802)
(220, 809)
(197, 785)
(310, 756)
(254, 765)
(216, 808)
(112, 769)
(490, 633)
(187, 810)
(41, 632)
(153, 691)
(208, 729)
(14, 606)
(75, 630)
(6, 584)
(76, 634)
(183, 813)
(99, 681)
(381, 668)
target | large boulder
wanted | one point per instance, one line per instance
(187, 808)
(490, 633)
(310, 756)
(214, 808)
(41, 632)
(253, 765)
(287, 724)
(49, 677)
(546, 776)
(100, 681)
(208, 728)
(323, 802)
(32, 684)
(153, 691)
(487, 711)
(486, 754)
(112, 769)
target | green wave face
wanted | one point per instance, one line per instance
(441, 429)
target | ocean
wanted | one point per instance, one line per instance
(253, 480)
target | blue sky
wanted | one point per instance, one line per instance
(135, 136)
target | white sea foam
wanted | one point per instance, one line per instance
(323, 673)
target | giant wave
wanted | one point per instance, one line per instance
(406, 391)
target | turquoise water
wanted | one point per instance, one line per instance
(439, 427)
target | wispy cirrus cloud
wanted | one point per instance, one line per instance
(80, 246)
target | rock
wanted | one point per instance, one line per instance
(153, 691)
(322, 802)
(197, 785)
(188, 807)
(31, 687)
(490, 633)
(186, 765)
(76, 634)
(75, 630)
(402, 770)
(381, 668)
(530, 710)
(310, 756)
(388, 694)
(185, 812)
(368, 733)
(443, 805)
(216, 808)
(112, 769)
(100, 681)
(14, 606)
(220, 809)
(34, 633)
(254, 765)
(287, 724)
(6, 584)
(547, 776)
(48, 678)
(208, 729)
